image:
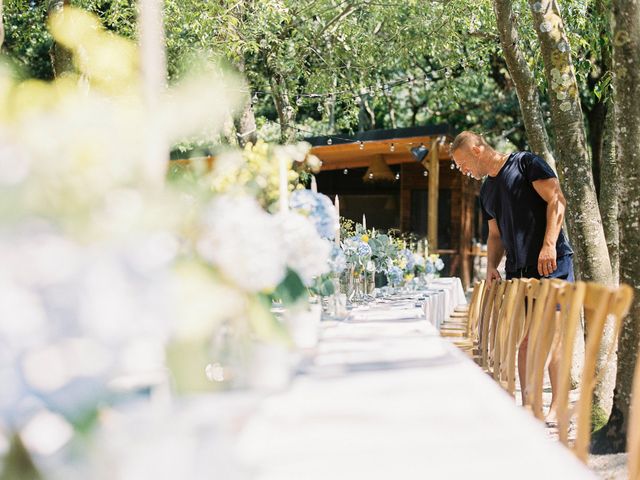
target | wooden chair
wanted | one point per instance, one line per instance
(633, 428)
(484, 329)
(601, 304)
(503, 325)
(488, 354)
(514, 330)
(541, 335)
(519, 329)
(458, 325)
(469, 342)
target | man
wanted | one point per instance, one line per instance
(522, 199)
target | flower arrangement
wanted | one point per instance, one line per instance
(255, 171)
(318, 208)
(434, 264)
(388, 252)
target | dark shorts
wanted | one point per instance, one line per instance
(563, 272)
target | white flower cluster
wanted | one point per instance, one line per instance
(243, 242)
(307, 253)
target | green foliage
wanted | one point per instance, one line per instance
(290, 290)
(27, 41)
(355, 49)
(323, 286)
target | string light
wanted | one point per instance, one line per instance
(392, 147)
(425, 173)
(397, 176)
(329, 141)
(361, 145)
(453, 165)
(345, 171)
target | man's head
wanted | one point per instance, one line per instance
(470, 153)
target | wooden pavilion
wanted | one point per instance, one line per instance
(402, 179)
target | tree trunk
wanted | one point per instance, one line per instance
(331, 107)
(572, 156)
(1, 24)
(366, 118)
(286, 112)
(596, 118)
(602, 139)
(245, 124)
(524, 82)
(609, 192)
(392, 110)
(61, 58)
(575, 171)
(626, 81)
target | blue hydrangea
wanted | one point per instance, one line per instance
(337, 261)
(363, 250)
(411, 262)
(430, 267)
(319, 209)
(395, 275)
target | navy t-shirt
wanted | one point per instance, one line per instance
(520, 212)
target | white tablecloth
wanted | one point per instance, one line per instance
(385, 397)
(441, 297)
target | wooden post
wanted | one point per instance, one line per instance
(466, 231)
(434, 185)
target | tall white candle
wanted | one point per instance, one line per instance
(337, 207)
(154, 74)
(314, 184)
(364, 221)
(284, 185)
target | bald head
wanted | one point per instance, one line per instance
(472, 155)
(468, 139)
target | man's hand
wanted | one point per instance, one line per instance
(547, 260)
(493, 274)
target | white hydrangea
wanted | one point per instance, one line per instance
(243, 242)
(307, 253)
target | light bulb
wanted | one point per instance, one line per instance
(425, 173)
(329, 142)
(397, 176)
(361, 145)
(345, 171)
(453, 166)
(392, 147)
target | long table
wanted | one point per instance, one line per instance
(384, 396)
